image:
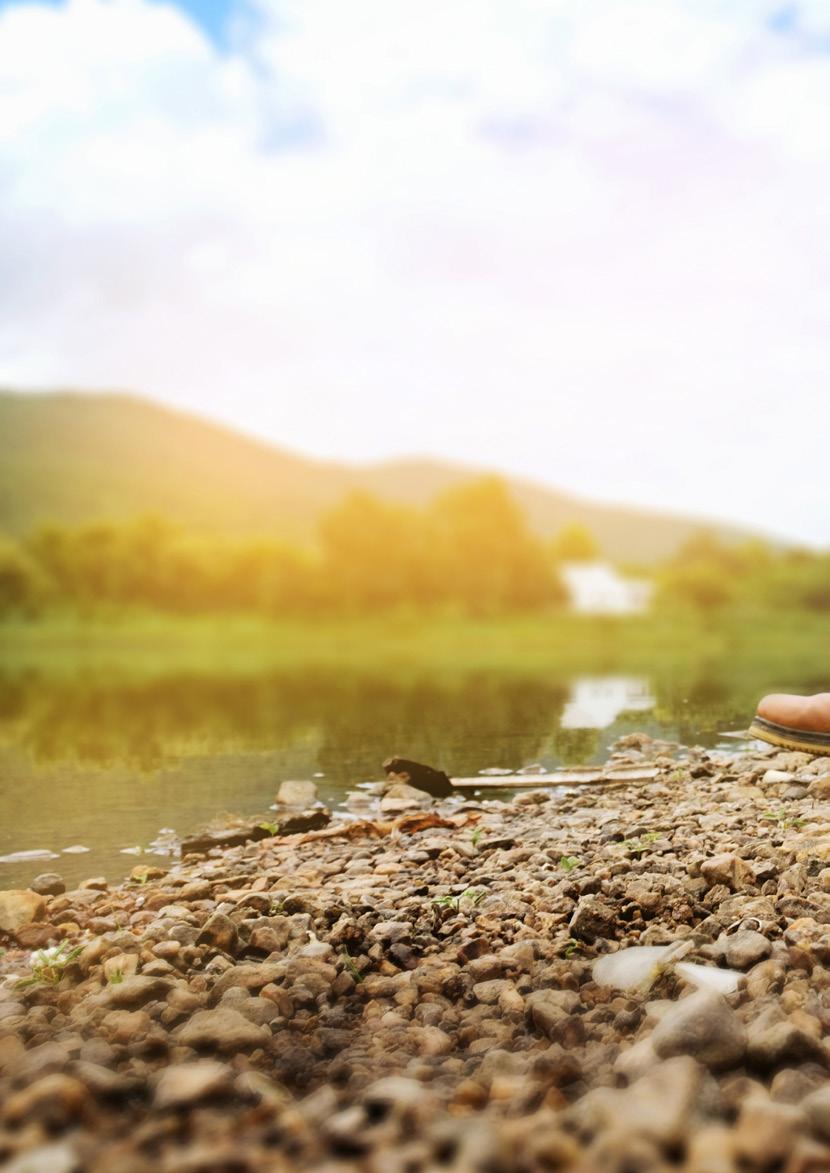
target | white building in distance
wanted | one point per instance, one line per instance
(597, 588)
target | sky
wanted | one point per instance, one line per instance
(583, 241)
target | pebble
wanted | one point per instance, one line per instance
(48, 884)
(704, 1026)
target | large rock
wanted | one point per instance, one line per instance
(222, 1030)
(434, 782)
(704, 1026)
(20, 907)
(300, 793)
(48, 884)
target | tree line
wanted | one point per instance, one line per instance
(709, 576)
(469, 552)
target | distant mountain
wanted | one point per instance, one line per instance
(74, 457)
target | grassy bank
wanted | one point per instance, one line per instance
(148, 642)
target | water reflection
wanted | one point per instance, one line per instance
(597, 701)
(107, 760)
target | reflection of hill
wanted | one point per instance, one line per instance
(78, 458)
(346, 724)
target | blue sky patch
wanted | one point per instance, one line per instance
(213, 16)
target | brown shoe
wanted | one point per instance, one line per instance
(795, 722)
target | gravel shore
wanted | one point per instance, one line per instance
(429, 984)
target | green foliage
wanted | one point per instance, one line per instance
(271, 828)
(575, 543)
(639, 846)
(698, 586)
(470, 553)
(569, 862)
(22, 580)
(350, 966)
(49, 965)
(783, 820)
(470, 896)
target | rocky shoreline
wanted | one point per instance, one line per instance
(445, 984)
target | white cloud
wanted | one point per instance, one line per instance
(576, 240)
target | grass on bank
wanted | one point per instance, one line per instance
(146, 642)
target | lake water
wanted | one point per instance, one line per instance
(107, 762)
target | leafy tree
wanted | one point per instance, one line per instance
(575, 543)
(22, 582)
(490, 561)
(700, 586)
(375, 555)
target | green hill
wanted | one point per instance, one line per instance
(74, 457)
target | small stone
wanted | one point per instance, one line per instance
(185, 1084)
(400, 797)
(727, 869)
(222, 1030)
(593, 918)
(776, 777)
(55, 1101)
(704, 1026)
(817, 1109)
(120, 966)
(765, 1132)
(20, 907)
(36, 936)
(137, 991)
(299, 793)
(59, 1157)
(48, 884)
(807, 934)
(123, 1026)
(551, 1017)
(770, 1044)
(819, 788)
(746, 948)
(220, 932)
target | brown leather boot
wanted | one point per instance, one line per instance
(795, 722)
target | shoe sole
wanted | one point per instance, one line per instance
(787, 737)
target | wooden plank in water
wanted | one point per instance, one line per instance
(574, 777)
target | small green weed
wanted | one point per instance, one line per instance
(639, 846)
(271, 828)
(350, 966)
(568, 862)
(783, 820)
(473, 896)
(572, 946)
(48, 965)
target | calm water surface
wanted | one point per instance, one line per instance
(107, 763)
